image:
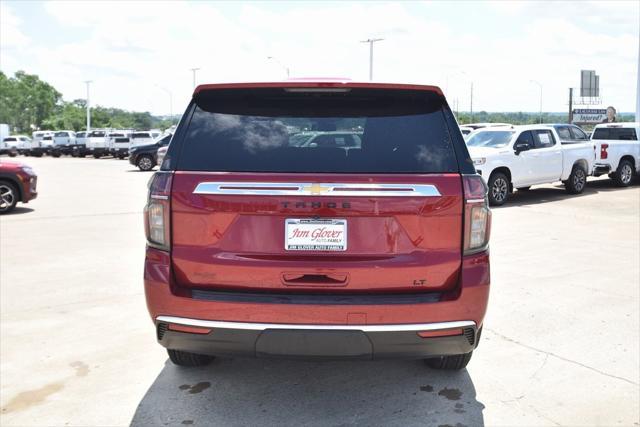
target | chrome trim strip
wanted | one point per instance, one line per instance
(475, 201)
(316, 189)
(213, 324)
(159, 197)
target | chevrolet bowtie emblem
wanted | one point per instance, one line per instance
(316, 189)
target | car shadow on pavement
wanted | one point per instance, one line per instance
(547, 194)
(18, 210)
(285, 392)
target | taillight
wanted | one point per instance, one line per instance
(156, 212)
(603, 151)
(477, 216)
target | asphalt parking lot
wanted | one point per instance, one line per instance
(560, 343)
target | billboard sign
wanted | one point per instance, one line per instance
(589, 84)
(594, 115)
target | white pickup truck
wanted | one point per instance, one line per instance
(522, 156)
(96, 143)
(617, 151)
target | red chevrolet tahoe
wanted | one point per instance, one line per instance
(369, 242)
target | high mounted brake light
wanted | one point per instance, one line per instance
(156, 212)
(477, 216)
(317, 89)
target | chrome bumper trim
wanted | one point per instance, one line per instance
(213, 324)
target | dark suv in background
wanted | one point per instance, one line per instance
(261, 246)
(145, 157)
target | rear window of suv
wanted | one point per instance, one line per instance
(357, 131)
(623, 134)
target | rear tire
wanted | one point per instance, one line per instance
(498, 189)
(184, 358)
(449, 363)
(145, 162)
(56, 154)
(96, 156)
(577, 180)
(623, 176)
(8, 197)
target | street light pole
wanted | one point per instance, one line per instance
(371, 42)
(539, 85)
(193, 70)
(273, 58)
(88, 82)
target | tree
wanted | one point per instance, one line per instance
(26, 102)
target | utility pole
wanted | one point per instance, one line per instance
(88, 82)
(570, 105)
(540, 85)
(371, 42)
(193, 70)
(273, 58)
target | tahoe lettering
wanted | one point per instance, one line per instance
(316, 205)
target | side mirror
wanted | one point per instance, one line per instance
(520, 146)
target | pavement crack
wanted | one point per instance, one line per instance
(546, 357)
(504, 337)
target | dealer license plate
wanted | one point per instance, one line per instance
(306, 234)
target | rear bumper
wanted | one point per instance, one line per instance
(316, 341)
(98, 150)
(8, 150)
(379, 327)
(601, 169)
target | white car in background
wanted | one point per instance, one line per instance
(63, 142)
(522, 156)
(144, 137)
(476, 126)
(96, 143)
(38, 146)
(21, 143)
(7, 148)
(617, 150)
(119, 143)
(162, 151)
(80, 148)
(466, 130)
(47, 143)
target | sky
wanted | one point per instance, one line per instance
(138, 53)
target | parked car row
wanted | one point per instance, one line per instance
(98, 142)
(517, 157)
